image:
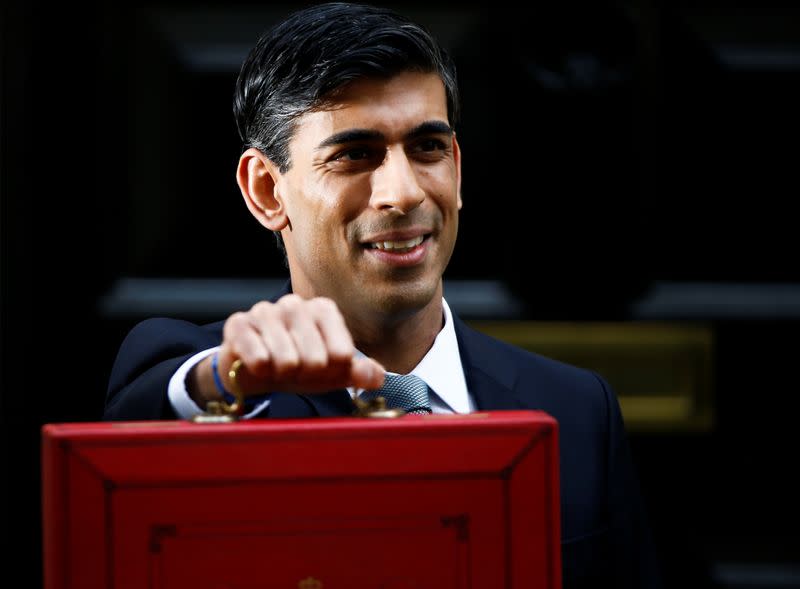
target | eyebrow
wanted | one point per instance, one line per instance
(356, 135)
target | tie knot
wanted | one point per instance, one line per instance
(402, 391)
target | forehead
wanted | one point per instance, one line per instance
(391, 107)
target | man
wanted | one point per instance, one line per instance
(347, 113)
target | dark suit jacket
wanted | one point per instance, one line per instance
(605, 537)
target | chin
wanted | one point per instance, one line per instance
(405, 299)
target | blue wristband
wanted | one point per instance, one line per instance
(249, 402)
(229, 399)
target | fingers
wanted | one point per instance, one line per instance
(295, 345)
(301, 322)
(268, 321)
(334, 331)
(244, 342)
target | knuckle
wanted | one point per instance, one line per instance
(235, 322)
(325, 304)
(262, 308)
(290, 301)
(290, 307)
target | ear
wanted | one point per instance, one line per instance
(258, 178)
(457, 159)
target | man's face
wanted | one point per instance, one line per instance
(372, 197)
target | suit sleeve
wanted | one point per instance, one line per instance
(632, 551)
(148, 357)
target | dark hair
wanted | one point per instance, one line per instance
(300, 63)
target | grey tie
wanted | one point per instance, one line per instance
(402, 391)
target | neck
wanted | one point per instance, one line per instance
(400, 343)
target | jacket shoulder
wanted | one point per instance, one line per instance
(157, 340)
(527, 363)
(539, 380)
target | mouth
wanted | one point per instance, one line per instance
(398, 246)
(399, 251)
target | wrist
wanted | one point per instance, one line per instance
(200, 383)
(230, 399)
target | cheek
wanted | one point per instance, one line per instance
(325, 221)
(308, 206)
(448, 203)
(343, 199)
(441, 183)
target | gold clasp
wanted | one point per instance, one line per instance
(375, 408)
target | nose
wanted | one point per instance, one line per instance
(395, 185)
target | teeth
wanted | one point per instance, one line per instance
(397, 245)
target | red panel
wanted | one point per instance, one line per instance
(534, 515)
(424, 501)
(55, 485)
(86, 534)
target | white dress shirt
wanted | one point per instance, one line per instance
(441, 370)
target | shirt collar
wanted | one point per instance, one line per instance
(441, 367)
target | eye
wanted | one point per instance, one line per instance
(430, 144)
(354, 154)
(429, 150)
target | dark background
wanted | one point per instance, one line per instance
(611, 150)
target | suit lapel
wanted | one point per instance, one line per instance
(489, 393)
(490, 374)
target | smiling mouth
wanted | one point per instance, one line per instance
(399, 246)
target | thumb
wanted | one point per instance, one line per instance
(367, 373)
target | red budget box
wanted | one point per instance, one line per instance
(423, 502)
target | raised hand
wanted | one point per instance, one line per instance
(292, 345)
